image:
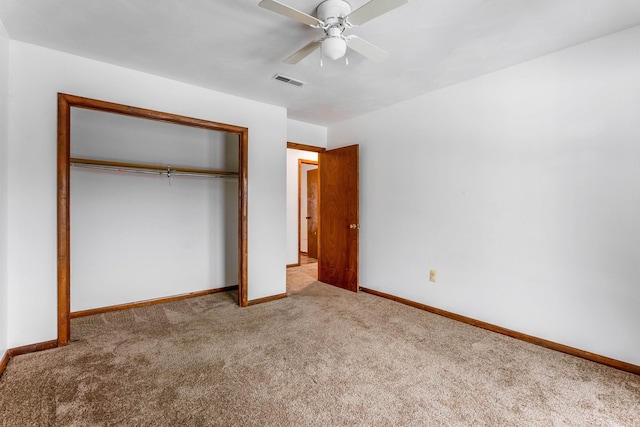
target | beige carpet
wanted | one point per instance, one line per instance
(322, 357)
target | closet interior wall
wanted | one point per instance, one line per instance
(136, 237)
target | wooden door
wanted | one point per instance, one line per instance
(338, 222)
(312, 213)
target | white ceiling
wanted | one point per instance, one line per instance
(236, 47)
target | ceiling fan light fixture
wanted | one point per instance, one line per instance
(333, 17)
(334, 47)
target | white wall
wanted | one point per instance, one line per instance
(522, 189)
(138, 236)
(36, 75)
(307, 134)
(4, 133)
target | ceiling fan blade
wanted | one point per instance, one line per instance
(302, 53)
(367, 49)
(373, 9)
(289, 12)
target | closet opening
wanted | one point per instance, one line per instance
(152, 206)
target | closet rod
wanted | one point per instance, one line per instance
(149, 169)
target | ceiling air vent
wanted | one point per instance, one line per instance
(288, 80)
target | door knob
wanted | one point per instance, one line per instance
(354, 226)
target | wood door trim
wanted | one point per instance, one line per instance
(300, 163)
(64, 219)
(304, 147)
(146, 303)
(243, 214)
(603, 360)
(65, 102)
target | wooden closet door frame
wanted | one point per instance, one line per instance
(65, 103)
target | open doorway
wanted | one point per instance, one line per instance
(337, 217)
(302, 219)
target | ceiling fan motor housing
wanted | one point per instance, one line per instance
(332, 12)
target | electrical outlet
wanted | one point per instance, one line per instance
(432, 275)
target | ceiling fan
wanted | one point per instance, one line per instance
(334, 17)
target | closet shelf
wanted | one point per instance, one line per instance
(149, 169)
